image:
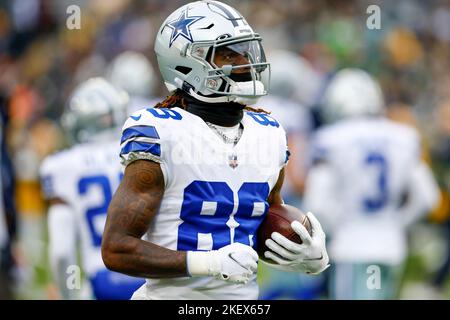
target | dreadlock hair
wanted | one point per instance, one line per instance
(176, 99)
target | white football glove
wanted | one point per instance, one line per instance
(310, 257)
(235, 262)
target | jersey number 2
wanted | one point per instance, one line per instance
(84, 185)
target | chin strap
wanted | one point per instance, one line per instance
(221, 99)
(246, 93)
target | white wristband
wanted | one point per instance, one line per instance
(202, 263)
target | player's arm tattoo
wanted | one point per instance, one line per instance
(275, 194)
(130, 214)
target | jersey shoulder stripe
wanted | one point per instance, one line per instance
(141, 146)
(141, 137)
(139, 131)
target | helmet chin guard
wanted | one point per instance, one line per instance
(246, 93)
(205, 48)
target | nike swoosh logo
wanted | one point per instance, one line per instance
(315, 259)
(136, 118)
(230, 255)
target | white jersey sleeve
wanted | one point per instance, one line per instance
(423, 194)
(55, 178)
(140, 138)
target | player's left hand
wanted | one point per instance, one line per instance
(310, 257)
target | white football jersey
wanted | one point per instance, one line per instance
(215, 193)
(369, 171)
(85, 177)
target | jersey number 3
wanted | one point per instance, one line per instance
(377, 201)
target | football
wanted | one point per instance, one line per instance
(279, 219)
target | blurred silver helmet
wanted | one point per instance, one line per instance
(132, 72)
(207, 49)
(96, 110)
(352, 92)
(293, 77)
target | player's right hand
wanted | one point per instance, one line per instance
(235, 262)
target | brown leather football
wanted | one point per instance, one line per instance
(279, 219)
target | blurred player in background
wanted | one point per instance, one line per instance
(202, 168)
(369, 170)
(132, 72)
(79, 183)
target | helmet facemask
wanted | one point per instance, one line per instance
(237, 70)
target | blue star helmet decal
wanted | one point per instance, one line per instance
(180, 27)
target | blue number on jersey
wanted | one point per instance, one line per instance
(249, 194)
(84, 186)
(214, 221)
(165, 113)
(377, 202)
(263, 119)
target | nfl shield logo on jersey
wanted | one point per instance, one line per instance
(232, 161)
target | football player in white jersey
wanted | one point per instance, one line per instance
(202, 168)
(370, 171)
(79, 183)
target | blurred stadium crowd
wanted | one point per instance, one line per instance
(41, 61)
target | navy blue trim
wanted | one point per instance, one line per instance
(288, 154)
(230, 16)
(135, 146)
(139, 131)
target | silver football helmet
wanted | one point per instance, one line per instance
(208, 50)
(132, 72)
(96, 110)
(352, 92)
(293, 77)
